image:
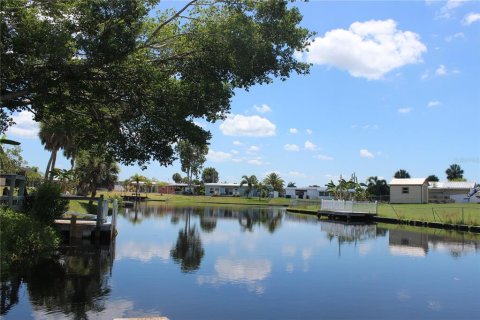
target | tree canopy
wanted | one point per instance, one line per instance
(192, 157)
(402, 174)
(454, 172)
(121, 77)
(210, 175)
(274, 180)
(433, 178)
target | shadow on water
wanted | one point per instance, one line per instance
(74, 282)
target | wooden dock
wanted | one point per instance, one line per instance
(346, 215)
(94, 226)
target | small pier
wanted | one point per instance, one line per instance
(91, 226)
(134, 197)
(347, 210)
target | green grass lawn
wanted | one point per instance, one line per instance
(206, 199)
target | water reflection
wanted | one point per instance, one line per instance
(419, 242)
(188, 250)
(73, 284)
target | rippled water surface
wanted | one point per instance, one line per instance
(254, 263)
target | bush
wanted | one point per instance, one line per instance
(23, 240)
(45, 204)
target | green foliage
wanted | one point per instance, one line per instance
(192, 157)
(119, 76)
(95, 168)
(377, 187)
(210, 175)
(275, 181)
(46, 204)
(24, 240)
(401, 174)
(454, 173)
(433, 178)
(251, 182)
(291, 185)
(177, 177)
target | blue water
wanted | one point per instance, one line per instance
(256, 263)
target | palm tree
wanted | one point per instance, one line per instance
(454, 172)
(54, 137)
(402, 174)
(377, 187)
(274, 180)
(251, 183)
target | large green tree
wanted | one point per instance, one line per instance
(401, 174)
(192, 157)
(210, 175)
(454, 172)
(123, 77)
(95, 168)
(377, 187)
(275, 181)
(251, 182)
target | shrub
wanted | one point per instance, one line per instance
(46, 204)
(23, 240)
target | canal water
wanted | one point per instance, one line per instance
(253, 263)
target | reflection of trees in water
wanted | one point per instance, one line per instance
(268, 218)
(188, 250)
(208, 224)
(73, 283)
(9, 294)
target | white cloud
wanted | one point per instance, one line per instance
(368, 49)
(432, 104)
(471, 18)
(256, 162)
(218, 156)
(310, 146)
(309, 131)
(233, 151)
(297, 174)
(250, 126)
(24, 125)
(404, 110)
(253, 149)
(364, 153)
(237, 143)
(262, 109)
(293, 130)
(291, 147)
(447, 10)
(441, 70)
(143, 252)
(323, 157)
(425, 75)
(458, 35)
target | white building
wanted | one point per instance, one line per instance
(409, 190)
(453, 191)
(307, 193)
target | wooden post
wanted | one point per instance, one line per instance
(99, 217)
(113, 225)
(73, 228)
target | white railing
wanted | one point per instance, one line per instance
(348, 206)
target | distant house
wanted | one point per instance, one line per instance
(224, 189)
(453, 191)
(177, 188)
(409, 190)
(307, 193)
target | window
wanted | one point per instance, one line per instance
(405, 190)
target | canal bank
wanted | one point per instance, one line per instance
(411, 222)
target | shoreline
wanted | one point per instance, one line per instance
(416, 223)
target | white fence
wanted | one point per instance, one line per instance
(348, 206)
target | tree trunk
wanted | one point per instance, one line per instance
(48, 166)
(54, 159)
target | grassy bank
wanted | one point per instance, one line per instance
(453, 213)
(206, 199)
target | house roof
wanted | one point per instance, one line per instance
(219, 184)
(307, 188)
(408, 182)
(452, 185)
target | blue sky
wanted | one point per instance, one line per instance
(394, 85)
